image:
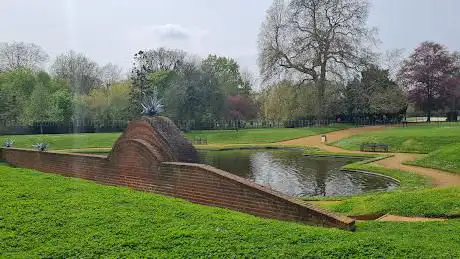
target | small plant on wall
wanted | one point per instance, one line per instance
(41, 146)
(8, 143)
(152, 104)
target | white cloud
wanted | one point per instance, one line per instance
(190, 39)
(171, 32)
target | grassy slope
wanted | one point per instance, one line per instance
(106, 140)
(416, 139)
(447, 158)
(43, 215)
(435, 202)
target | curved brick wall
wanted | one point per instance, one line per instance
(162, 135)
(142, 160)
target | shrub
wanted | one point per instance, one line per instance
(8, 143)
(41, 146)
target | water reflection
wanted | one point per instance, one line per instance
(294, 174)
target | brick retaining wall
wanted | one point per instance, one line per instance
(194, 182)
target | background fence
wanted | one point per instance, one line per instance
(13, 128)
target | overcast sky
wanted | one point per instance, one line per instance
(113, 30)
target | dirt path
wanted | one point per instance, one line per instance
(395, 218)
(440, 178)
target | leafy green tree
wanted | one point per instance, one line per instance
(38, 109)
(20, 82)
(105, 106)
(195, 96)
(4, 105)
(118, 99)
(288, 101)
(227, 73)
(61, 109)
(375, 94)
(161, 80)
(16, 87)
(279, 102)
(81, 111)
(143, 76)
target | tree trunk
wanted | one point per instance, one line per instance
(430, 104)
(321, 87)
(321, 113)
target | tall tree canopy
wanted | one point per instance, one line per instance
(374, 95)
(227, 72)
(191, 89)
(80, 72)
(314, 40)
(110, 74)
(21, 55)
(151, 61)
(425, 74)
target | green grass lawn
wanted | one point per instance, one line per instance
(246, 136)
(413, 139)
(44, 215)
(441, 143)
(65, 141)
(106, 140)
(435, 202)
(447, 158)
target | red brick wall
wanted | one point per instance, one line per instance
(194, 182)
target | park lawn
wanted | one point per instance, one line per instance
(412, 139)
(106, 140)
(65, 141)
(45, 215)
(446, 158)
(248, 136)
(433, 202)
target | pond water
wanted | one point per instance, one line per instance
(292, 173)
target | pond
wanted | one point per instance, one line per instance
(294, 174)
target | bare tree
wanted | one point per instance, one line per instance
(81, 72)
(392, 61)
(315, 40)
(109, 74)
(21, 55)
